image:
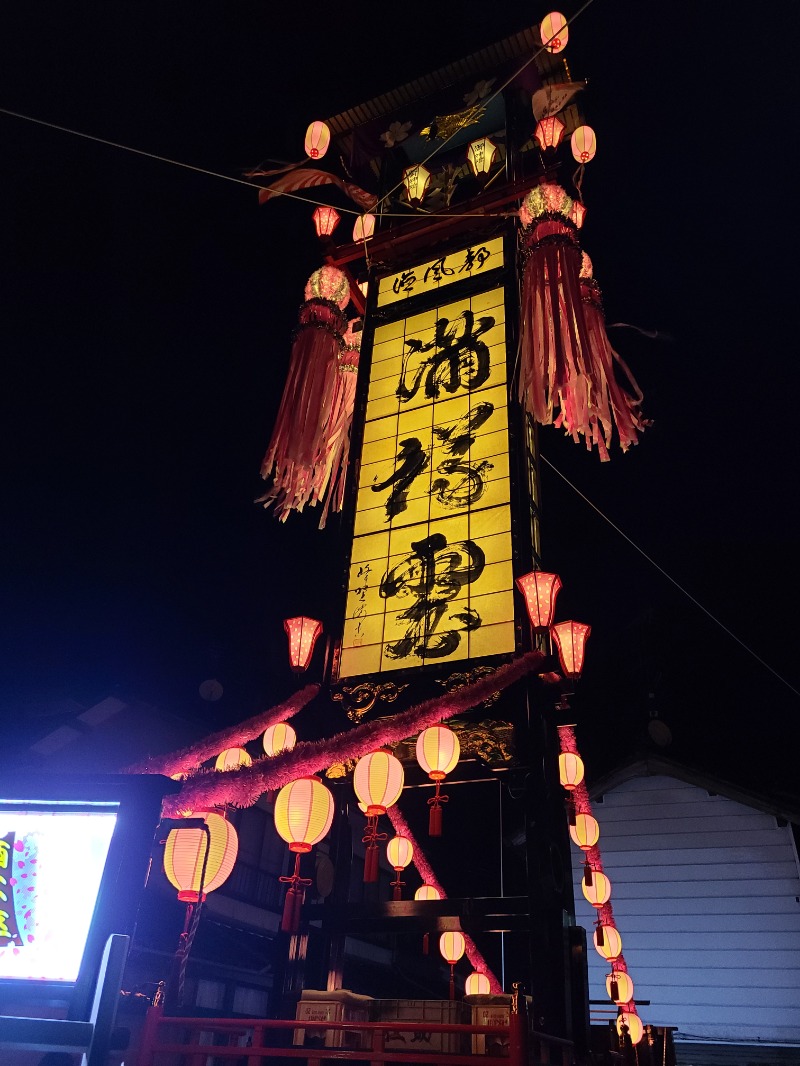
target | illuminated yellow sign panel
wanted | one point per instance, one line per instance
(431, 566)
(433, 276)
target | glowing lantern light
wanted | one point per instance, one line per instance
(364, 228)
(326, 219)
(452, 946)
(619, 986)
(185, 853)
(416, 180)
(586, 832)
(302, 633)
(570, 638)
(584, 144)
(232, 759)
(554, 32)
(477, 984)
(578, 213)
(399, 852)
(481, 155)
(363, 287)
(597, 891)
(303, 815)
(438, 749)
(570, 770)
(608, 942)
(427, 892)
(631, 1021)
(378, 780)
(279, 738)
(318, 137)
(549, 132)
(540, 591)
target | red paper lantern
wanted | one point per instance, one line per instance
(326, 219)
(452, 946)
(586, 831)
(619, 986)
(185, 853)
(302, 633)
(477, 984)
(364, 228)
(598, 890)
(232, 759)
(399, 852)
(584, 144)
(279, 738)
(570, 638)
(540, 590)
(631, 1022)
(378, 780)
(549, 132)
(318, 137)
(570, 770)
(303, 815)
(438, 749)
(607, 941)
(554, 32)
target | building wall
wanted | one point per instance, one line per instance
(706, 895)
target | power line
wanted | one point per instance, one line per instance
(670, 578)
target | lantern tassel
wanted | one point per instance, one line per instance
(435, 814)
(293, 904)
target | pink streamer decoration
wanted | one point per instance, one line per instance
(425, 871)
(583, 805)
(243, 787)
(187, 759)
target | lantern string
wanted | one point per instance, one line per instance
(244, 786)
(672, 580)
(189, 758)
(425, 871)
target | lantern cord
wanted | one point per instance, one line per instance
(672, 580)
(195, 923)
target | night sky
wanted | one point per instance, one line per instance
(146, 321)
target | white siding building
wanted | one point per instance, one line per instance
(706, 896)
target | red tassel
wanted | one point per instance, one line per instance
(435, 821)
(425, 943)
(371, 864)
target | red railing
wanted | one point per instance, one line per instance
(261, 1042)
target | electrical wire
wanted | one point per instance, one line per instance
(670, 578)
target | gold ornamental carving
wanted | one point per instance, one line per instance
(358, 700)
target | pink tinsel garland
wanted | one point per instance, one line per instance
(425, 871)
(233, 737)
(243, 787)
(583, 805)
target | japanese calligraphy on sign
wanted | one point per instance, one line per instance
(455, 266)
(431, 566)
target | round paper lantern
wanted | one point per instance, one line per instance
(378, 780)
(554, 32)
(278, 738)
(598, 892)
(570, 770)
(232, 759)
(303, 813)
(364, 228)
(318, 137)
(477, 984)
(329, 283)
(438, 750)
(452, 946)
(586, 831)
(619, 986)
(399, 852)
(427, 892)
(584, 144)
(186, 849)
(608, 942)
(633, 1023)
(326, 219)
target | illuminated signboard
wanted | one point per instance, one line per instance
(431, 566)
(51, 866)
(435, 274)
